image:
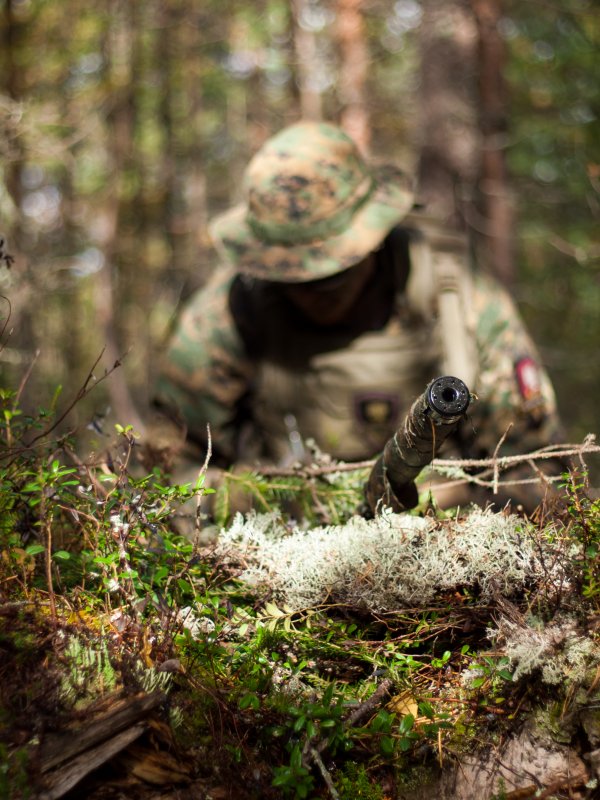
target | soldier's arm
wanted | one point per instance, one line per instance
(205, 372)
(516, 401)
(513, 387)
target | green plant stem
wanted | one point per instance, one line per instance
(46, 521)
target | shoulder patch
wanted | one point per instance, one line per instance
(529, 382)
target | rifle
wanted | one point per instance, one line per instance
(432, 418)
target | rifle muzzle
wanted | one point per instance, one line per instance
(432, 418)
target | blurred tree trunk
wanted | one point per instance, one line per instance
(166, 46)
(307, 63)
(462, 171)
(192, 167)
(12, 81)
(496, 206)
(14, 32)
(119, 146)
(448, 131)
(354, 65)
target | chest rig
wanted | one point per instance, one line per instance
(351, 399)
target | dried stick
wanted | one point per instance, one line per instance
(489, 465)
(364, 709)
(325, 773)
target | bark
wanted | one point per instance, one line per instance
(119, 144)
(354, 66)
(496, 206)
(305, 45)
(448, 130)
(13, 84)
(65, 759)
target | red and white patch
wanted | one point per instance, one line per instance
(528, 379)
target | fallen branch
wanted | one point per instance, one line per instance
(69, 756)
(313, 752)
(364, 710)
(325, 773)
(491, 466)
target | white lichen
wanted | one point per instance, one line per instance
(197, 625)
(557, 651)
(392, 561)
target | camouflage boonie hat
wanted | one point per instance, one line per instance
(314, 207)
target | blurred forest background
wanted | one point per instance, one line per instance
(124, 126)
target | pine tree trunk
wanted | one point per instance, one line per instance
(496, 205)
(449, 135)
(354, 64)
(119, 146)
(305, 45)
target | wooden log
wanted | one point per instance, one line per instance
(65, 758)
(123, 713)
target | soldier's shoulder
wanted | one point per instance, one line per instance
(216, 290)
(205, 322)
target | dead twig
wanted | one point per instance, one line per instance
(588, 446)
(324, 772)
(364, 710)
(495, 458)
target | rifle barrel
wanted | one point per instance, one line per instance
(433, 416)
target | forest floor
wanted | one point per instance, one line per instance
(408, 656)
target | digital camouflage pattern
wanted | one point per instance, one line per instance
(526, 415)
(314, 207)
(207, 374)
(205, 371)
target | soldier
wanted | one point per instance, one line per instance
(335, 303)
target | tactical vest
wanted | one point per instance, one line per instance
(351, 400)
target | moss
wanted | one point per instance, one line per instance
(353, 781)
(416, 777)
(14, 777)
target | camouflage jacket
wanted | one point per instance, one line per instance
(244, 361)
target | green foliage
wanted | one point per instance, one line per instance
(583, 528)
(88, 671)
(14, 776)
(96, 546)
(329, 497)
(91, 528)
(553, 154)
(353, 781)
(488, 677)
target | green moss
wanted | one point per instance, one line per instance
(414, 777)
(353, 781)
(14, 780)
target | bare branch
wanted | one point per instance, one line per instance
(588, 446)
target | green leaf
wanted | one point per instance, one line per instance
(273, 610)
(34, 549)
(62, 555)
(386, 745)
(296, 758)
(406, 723)
(381, 721)
(249, 700)
(328, 723)
(299, 724)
